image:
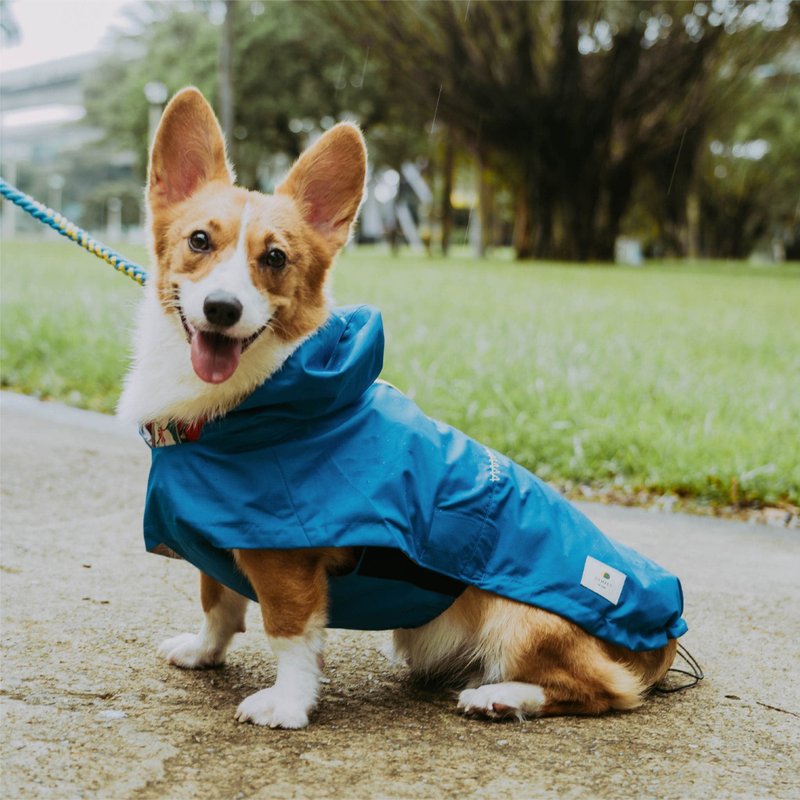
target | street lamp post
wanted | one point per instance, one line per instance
(156, 94)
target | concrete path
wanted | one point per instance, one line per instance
(89, 710)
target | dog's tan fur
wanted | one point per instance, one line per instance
(482, 639)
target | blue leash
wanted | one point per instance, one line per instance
(66, 228)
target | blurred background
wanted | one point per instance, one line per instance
(579, 227)
(561, 130)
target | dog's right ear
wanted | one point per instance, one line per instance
(188, 150)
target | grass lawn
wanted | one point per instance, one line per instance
(673, 378)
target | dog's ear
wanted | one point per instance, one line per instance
(188, 150)
(327, 182)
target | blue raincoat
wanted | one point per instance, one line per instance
(324, 455)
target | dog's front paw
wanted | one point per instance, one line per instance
(191, 651)
(268, 707)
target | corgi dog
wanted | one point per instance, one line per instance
(239, 284)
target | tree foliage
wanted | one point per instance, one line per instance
(748, 177)
(291, 74)
(173, 45)
(582, 109)
(581, 99)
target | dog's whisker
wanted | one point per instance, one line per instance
(276, 327)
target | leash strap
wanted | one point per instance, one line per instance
(66, 228)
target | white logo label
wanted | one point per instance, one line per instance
(602, 579)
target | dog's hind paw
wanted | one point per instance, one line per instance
(268, 707)
(510, 700)
(191, 651)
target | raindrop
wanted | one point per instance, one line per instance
(341, 81)
(358, 80)
(436, 110)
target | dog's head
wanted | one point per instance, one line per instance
(235, 268)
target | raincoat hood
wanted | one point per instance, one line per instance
(324, 455)
(329, 372)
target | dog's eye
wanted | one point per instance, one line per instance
(200, 242)
(274, 258)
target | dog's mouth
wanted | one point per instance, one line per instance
(215, 356)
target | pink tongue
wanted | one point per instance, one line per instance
(215, 357)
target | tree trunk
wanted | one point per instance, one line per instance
(448, 169)
(573, 217)
(692, 224)
(542, 204)
(485, 209)
(224, 74)
(523, 227)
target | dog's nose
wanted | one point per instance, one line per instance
(222, 308)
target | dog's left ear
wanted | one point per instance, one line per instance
(327, 182)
